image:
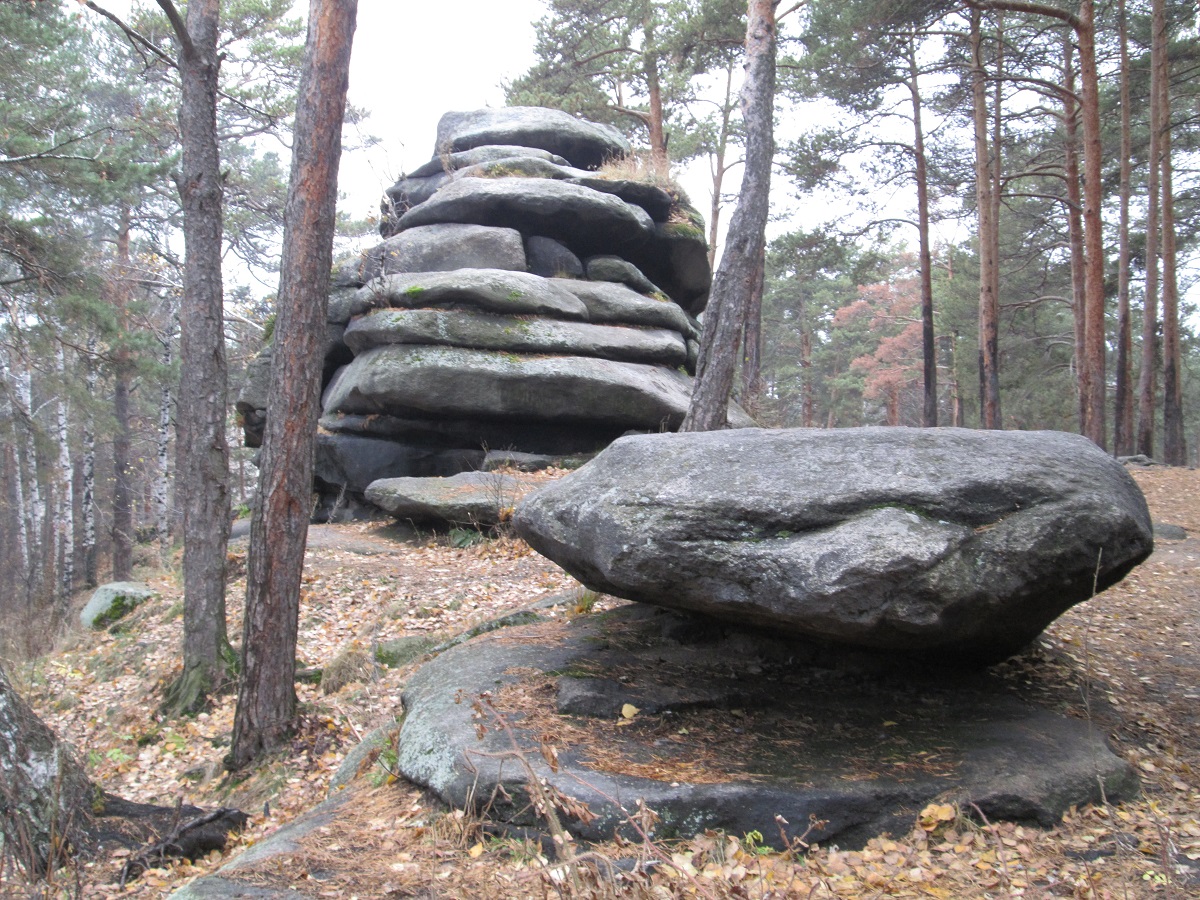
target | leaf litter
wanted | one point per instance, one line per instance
(1127, 661)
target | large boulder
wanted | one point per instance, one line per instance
(449, 382)
(489, 290)
(452, 162)
(731, 730)
(443, 248)
(477, 499)
(113, 601)
(515, 334)
(587, 221)
(353, 461)
(583, 144)
(962, 543)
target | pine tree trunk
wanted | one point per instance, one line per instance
(1074, 220)
(122, 516)
(1095, 338)
(1147, 377)
(1174, 447)
(658, 135)
(1123, 399)
(929, 414)
(989, 311)
(13, 453)
(752, 342)
(266, 694)
(734, 280)
(807, 389)
(204, 454)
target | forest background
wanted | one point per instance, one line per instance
(939, 156)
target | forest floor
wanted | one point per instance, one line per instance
(1128, 660)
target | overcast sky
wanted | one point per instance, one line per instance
(414, 61)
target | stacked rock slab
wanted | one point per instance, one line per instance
(522, 300)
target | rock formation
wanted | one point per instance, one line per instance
(962, 543)
(523, 299)
(811, 599)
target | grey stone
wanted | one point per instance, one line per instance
(251, 405)
(444, 248)
(963, 543)
(1169, 532)
(811, 735)
(676, 259)
(587, 221)
(551, 259)
(408, 192)
(657, 203)
(619, 304)
(584, 144)
(490, 290)
(551, 438)
(485, 331)
(478, 499)
(113, 601)
(452, 162)
(621, 271)
(529, 462)
(353, 461)
(448, 382)
(285, 842)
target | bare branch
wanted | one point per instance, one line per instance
(138, 40)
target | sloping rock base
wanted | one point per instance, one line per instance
(733, 728)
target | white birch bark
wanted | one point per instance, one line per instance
(33, 509)
(87, 504)
(162, 480)
(64, 515)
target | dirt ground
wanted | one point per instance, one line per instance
(1128, 661)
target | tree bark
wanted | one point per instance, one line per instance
(266, 693)
(1092, 365)
(64, 518)
(752, 342)
(989, 309)
(122, 516)
(1148, 376)
(655, 124)
(1174, 447)
(1074, 206)
(929, 414)
(87, 502)
(50, 809)
(1095, 344)
(46, 797)
(734, 280)
(204, 455)
(1123, 398)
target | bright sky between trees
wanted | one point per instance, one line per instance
(414, 61)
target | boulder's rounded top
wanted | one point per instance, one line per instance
(584, 144)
